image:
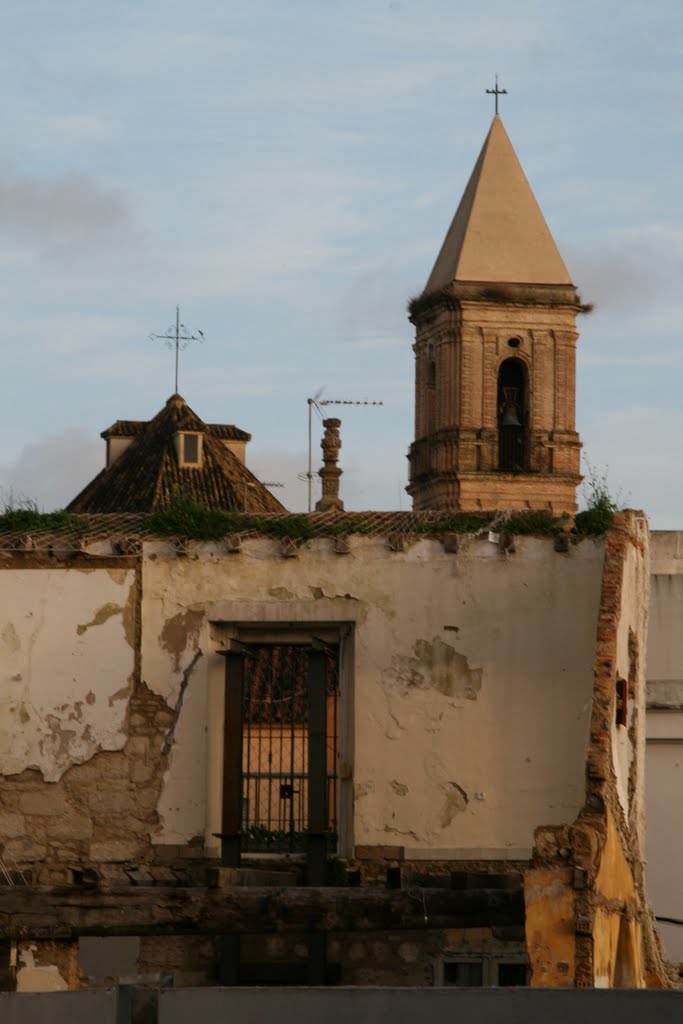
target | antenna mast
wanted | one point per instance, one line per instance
(178, 338)
(317, 402)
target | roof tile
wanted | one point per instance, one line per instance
(147, 474)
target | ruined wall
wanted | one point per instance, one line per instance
(664, 751)
(462, 725)
(593, 869)
(467, 684)
(81, 738)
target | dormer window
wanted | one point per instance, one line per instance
(189, 449)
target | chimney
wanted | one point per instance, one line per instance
(330, 473)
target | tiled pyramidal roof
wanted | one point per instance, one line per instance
(134, 428)
(146, 476)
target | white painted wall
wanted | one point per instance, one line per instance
(664, 779)
(472, 679)
(66, 664)
(665, 823)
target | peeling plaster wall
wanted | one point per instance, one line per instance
(471, 684)
(615, 967)
(46, 966)
(628, 741)
(596, 863)
(66, 666)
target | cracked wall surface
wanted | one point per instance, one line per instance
(468, 728)
(66, 666)
(462, 727)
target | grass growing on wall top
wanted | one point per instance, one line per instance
(597, 518)
(24, 517)
(185, 517)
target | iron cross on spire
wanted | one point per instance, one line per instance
(497, 92)
(178, 338)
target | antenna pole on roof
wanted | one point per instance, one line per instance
(178, 338)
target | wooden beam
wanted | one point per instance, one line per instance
(67, 912)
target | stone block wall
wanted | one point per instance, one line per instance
(99, 815)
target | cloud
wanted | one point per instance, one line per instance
(612, 280)
(76, 129)
(372, 310)
(52, 471)
(635, 267)
(68, 211)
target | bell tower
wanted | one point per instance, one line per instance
(495, 345)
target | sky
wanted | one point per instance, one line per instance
(286, 174)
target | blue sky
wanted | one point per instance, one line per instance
(286, 173)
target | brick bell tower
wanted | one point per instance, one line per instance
(495, 345)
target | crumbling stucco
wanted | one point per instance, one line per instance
(460, 692)
(66, 649)
(434, 664)
(37, 977)
(179, 632)
(104, 810)
(595, 865)
(436, 737)
(456, 801)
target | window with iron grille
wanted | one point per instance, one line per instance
(275, 731)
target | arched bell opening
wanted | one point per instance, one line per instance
(513, 417)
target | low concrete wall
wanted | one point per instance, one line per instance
(341, 1005)
(86, 1007)
(430, 1006)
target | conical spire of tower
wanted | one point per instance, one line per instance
(495, 351)
(498, 233)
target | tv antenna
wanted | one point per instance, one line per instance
(257, 483)
(317, 403)
(178, 338)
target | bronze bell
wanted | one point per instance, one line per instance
(510, 417)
